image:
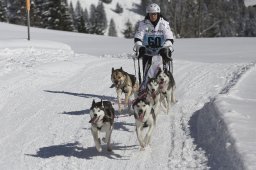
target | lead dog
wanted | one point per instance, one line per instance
(144, 117)
(166, 87)
(102, 119)
(124, 83)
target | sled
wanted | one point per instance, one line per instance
(150, 72)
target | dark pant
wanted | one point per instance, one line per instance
(146, 60)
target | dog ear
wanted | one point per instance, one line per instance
(113, 69)
(101, 103)
(93, 102)
(121, 69)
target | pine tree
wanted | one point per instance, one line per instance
(98, 20)
(129, 31)
(56, 15)
(17, 12)
(112, 28)
(3, 15)
(66, 18)
(92, 19)
(250, 25)
(72, 13)
(79, 20)
(144, 4)
(86, 21)
(37, 14)
(119, 9)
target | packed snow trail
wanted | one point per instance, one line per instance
(50, 97)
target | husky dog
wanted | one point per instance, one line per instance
(123, 82)
(144, 117)
(153, 94)
(102, 119)
(166, 86)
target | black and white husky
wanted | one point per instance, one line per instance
(144, 117)
(102, 119)
(166, 87)
(153, 94)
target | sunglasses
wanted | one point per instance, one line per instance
(153, 14)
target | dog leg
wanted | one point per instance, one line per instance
(168, 103)
(96, 139)
(139, 135)
(127, 96)
(147, 138)
(173, 99)
(165, 103)
(107, 139)
(156, 107)
(119, 93)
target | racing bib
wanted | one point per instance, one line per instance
(153, 43)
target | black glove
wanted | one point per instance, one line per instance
(166, 54)
(142, 51)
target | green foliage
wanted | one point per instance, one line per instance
(119, 9)
(187, 18)
(112, 29)
(129, 31)
(3, 15)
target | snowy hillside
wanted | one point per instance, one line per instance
(47, 86)
(249, 2)
(130, 12)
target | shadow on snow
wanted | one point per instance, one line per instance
(109, 98)
(86, 111)
(73, 149)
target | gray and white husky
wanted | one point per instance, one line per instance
(144, 117)
(166, 87)
(102, 119)
(153, 94)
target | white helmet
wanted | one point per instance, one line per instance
(153, 8)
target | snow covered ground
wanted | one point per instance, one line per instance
(47, 86)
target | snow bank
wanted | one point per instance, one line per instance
(42, 44)
(223, 127)
(212, 134)
(17, 55)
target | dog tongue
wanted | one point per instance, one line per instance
(141, 116)
(93, 119)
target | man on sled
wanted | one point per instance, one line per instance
(153, 43)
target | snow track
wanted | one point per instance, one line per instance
(51, 98)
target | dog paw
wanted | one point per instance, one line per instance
(142, 149)
(99, 149)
